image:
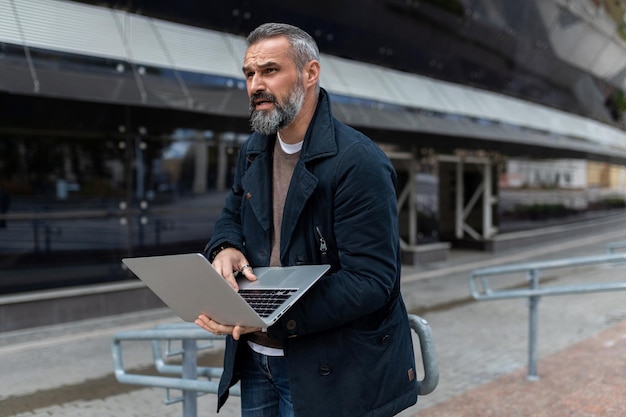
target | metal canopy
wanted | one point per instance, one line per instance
(57, 49)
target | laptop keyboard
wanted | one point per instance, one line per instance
(265, 301)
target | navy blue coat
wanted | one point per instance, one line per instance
(348, 342)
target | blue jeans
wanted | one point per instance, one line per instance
(264, 386)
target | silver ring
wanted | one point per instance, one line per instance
(243, 268)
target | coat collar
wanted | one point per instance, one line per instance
(319, 140)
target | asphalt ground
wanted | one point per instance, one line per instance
(482, 347)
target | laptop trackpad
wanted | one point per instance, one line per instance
(273, 277)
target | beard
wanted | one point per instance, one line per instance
(268, 122)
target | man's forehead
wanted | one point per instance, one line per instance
(268, 50)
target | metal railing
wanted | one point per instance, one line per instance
(614, 247)
(481, 289)
(429, 355)
(189, 334)
(97, 229)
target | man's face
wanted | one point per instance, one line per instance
(274, 85)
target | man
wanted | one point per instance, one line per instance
(311, 190)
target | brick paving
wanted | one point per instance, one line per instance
(587, 379)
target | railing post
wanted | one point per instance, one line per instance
(533, 304)
(190, 359)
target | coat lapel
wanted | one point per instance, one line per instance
(319, 142)
(257, 181)
(302, 186)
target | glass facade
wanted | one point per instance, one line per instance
(74, 205)
(93, 168)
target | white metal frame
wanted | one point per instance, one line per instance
(485, 189)
(408, 196)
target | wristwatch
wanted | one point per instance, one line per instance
(211, 256)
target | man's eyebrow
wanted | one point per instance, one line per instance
(268, 64)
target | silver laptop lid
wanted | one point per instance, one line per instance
(189, 285)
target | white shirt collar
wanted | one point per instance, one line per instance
(289, 148)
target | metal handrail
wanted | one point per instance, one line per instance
(429, 355)
(614, 246)
(98, 213)
(189, 334)
(481, 290)
(184, 333)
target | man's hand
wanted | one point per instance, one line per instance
(229, 261)
(221, 329)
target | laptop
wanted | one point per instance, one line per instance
(189, 285)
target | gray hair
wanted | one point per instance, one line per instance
(304, 47)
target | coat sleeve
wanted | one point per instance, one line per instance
(365, 228)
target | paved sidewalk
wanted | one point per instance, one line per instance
(482, 350)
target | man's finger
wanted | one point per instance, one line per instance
(232, 281)
(239, 331)
(249, 273)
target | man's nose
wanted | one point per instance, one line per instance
(255, 84)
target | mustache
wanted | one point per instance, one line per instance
(261, 95)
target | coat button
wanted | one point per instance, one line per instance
(248, 196)
(385, 339)
(291, 325)
(325, 370)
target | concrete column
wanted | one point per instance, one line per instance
(487, 200)
(459, 203)
(222, 163)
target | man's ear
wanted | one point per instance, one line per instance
(311, 73)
